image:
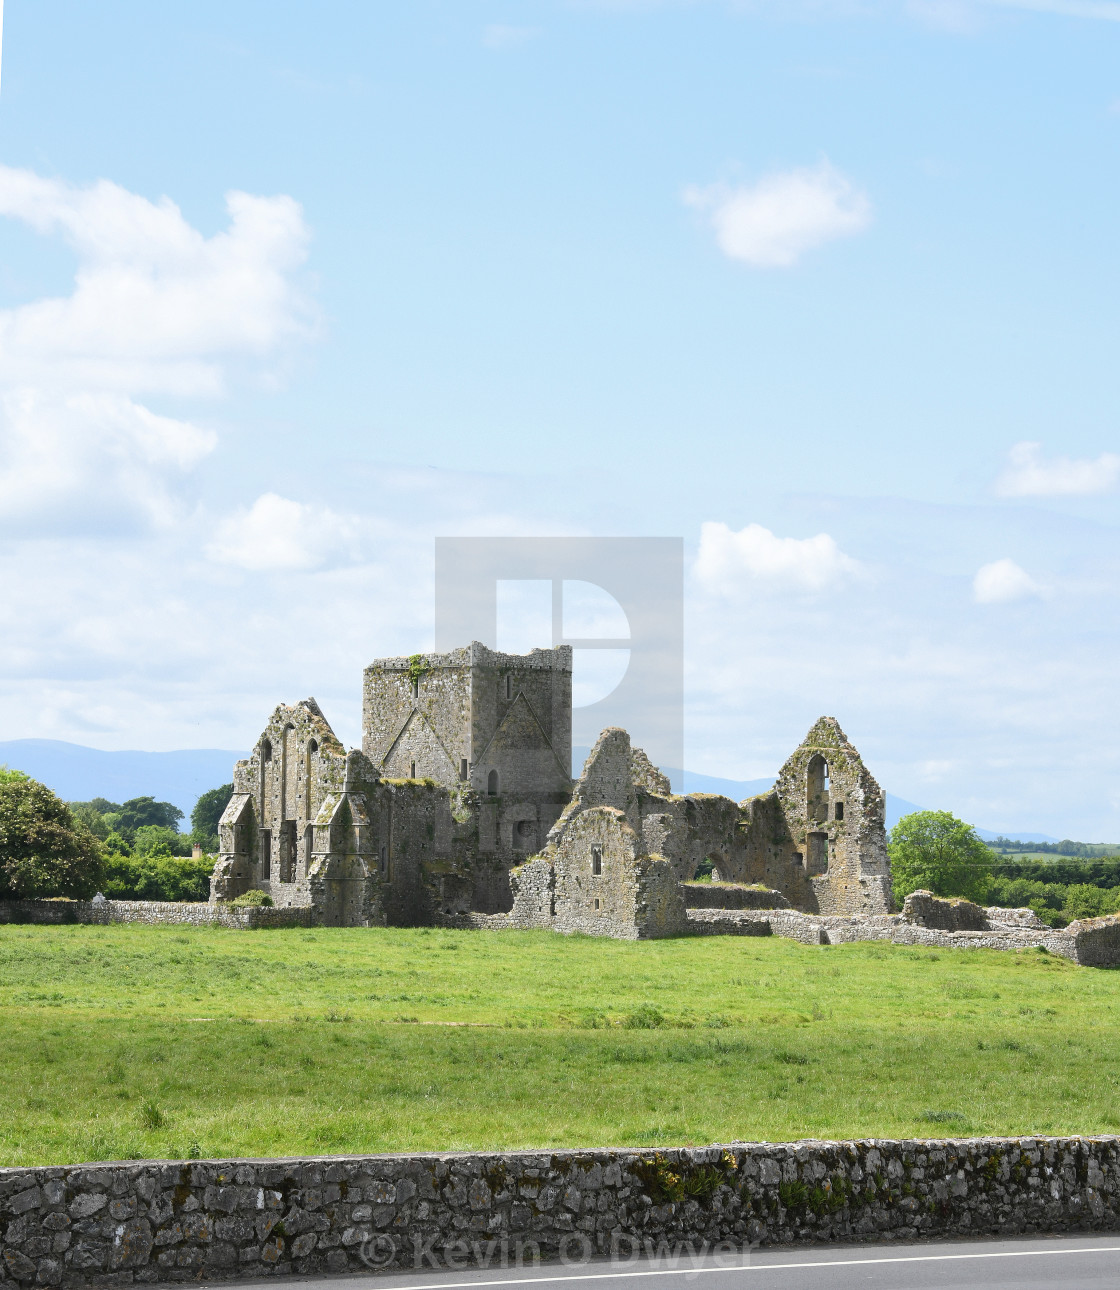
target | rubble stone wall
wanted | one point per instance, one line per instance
(147, 1222)
(947, 913)
(196, 913)
(730, 895)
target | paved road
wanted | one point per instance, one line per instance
(1061, 1263)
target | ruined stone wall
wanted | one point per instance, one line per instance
(771, 857)
(834, 811)
(265, 832)
(1090, 942)
(149, 1222)
(947, 913)
(195, 913)
(728, 895)
(593, 878)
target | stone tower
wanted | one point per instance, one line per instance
(495, 729)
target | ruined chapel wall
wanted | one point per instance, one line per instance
(838, 828)
(265, 832)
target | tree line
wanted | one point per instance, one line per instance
(126, 850)
(935, 851)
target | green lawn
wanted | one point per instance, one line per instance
(131, 1042)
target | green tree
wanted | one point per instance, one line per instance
(206, 814)
(89, 817)
(155, 840)
(43, 850)
(936, 851)
(140, 811)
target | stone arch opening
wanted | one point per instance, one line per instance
(309, 782)
(709, 869)
(816, 790)
(492, 784)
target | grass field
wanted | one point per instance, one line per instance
(133, 1042)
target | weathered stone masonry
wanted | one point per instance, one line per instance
(120, 1224)
(465, 774)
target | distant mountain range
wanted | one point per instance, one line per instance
(77, 773)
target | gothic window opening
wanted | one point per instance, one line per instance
(264, 847)
(839, 810)
(816, 790)
(463, 770)
(492, 784)
(287, 851)
(597, 863)
(509, 686)
(412, 770)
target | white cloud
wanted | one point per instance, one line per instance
(74, 458)
(1028, 474)
(775, 222)
(276, 533)
(727, 557)
(156, 308)
(1003, 581)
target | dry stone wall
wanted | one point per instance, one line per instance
(1090, 942)
(147, 1222)
(150, 911)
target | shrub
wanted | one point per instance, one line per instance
(157, 877)
(252, 899)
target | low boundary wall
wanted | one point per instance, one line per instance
(197, 913)
(115, 1224)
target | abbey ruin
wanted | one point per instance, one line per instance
(460, 809)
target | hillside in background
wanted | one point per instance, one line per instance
(77, 773)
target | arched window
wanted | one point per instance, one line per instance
(816, 790)
(492, 784)
(266, 750)
(309, 783)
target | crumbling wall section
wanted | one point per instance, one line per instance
(946, 913)
(729, 895)
(834, 811)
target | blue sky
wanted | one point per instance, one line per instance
(828, 289)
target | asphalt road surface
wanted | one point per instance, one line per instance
(1061, 1263)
